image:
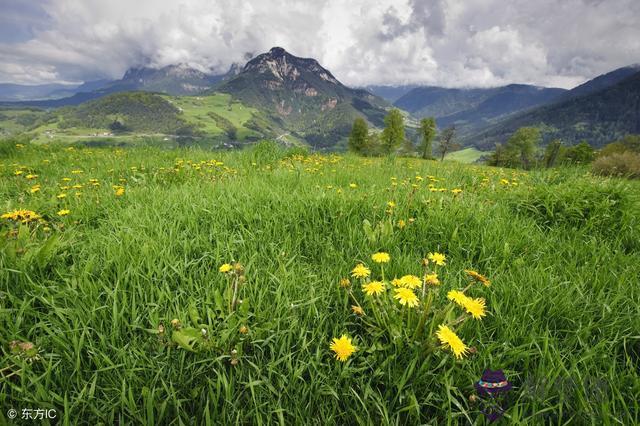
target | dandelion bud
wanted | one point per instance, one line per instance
(473, 398)
(344, 282)
(161, 329)
(234, 362)
(203, 331)
(242, 279)
(425, 262)
(244, 329)
(175, 323)
(234, 352)
(473, 350)
(239, 269)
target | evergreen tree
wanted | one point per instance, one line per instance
(359, 135)
(427, 132)
(393, 133)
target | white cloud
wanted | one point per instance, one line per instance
(440, 42)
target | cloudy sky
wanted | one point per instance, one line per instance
(451, 43)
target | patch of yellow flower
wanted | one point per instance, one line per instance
(381, 257)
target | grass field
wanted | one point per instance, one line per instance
(116, 281)
(466, 155)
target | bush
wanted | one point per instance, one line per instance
(625, 164)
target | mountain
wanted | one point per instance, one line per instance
(19, 92)
(303, 96)
(599, 116)
(603, 81)
(390, 93)
(174, 80)
(473, 109)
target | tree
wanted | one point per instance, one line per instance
(358, 136)
(552, 152)
(427, 132)
(523, 143)
(581, 153)
(393, 133)
(447, 142)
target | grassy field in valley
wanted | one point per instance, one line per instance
(130, 240)
(466, 155)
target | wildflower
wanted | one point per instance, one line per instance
(410, 281)
(24, 216)
(175, 323)
(396, 282)
(406, 297)
(344, 282)
(224, 268)
(357, 310)
(31, 177)
(456, 191)
(391, 204)
(66, 179)
(360, 271)
(401, 224)
(119, 190)
(243, 329)
(432, 279)
(353, 185)
(449, 338)
(18, 172)
(373, 288)
(64, 212)
(457, 296)
(475, 307)
(342, 347)
(437, 258)
(478, 277)
(381, 257)
(61, 196)
(34, 189)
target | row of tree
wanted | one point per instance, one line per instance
(392, 138)
(522, 151)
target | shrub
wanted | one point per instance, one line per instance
(625, 164)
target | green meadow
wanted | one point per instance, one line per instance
(113, 309)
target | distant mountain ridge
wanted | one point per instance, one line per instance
(471, 109)
(604, 113)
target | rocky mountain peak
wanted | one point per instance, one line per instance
(286, 67)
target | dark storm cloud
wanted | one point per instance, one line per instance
(441, 42)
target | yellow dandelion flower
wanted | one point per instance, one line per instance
(225, 267)
(449, 338)
(342, 347)
(478, 277)
(357, 310)
(457, 296)
(432, 279)
(456, 191)
(64, 212)
(475, 307)
(61, 196)
(360, 271)
(381, 257)
(373, 288)
(401, 224)
(344, 282)
(353, 185)
(391, 204)
(31, 177)
(437, 258)
(24, 216)
(34, 189)
(410, 281)
(396, 282)
(406, 297)
(18, 172)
